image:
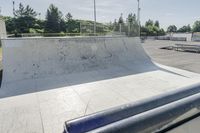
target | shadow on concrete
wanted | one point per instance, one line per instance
(38, 85)
(58, 81)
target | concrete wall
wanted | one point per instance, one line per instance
(188, 36)
(2, 28)
(32, 58)
(196, 37)
(176, 37)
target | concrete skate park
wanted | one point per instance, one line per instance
(93, 84)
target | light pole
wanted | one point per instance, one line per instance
(13, 8)
(95, 17)
(0, 11)
(138, 17)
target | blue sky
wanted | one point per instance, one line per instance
(178, 12)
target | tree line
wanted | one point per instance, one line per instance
(25, 20)
(185, 28)
(152, 28)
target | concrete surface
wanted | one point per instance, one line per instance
(183, 60)
(3, 33)
(189, 127)
(36, 58)
(49, 81)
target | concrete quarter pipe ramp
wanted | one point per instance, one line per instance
(47, 81)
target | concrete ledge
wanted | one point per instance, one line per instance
(178, 39)
(168, 38)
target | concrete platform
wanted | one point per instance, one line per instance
(42, 104)
(182, 60)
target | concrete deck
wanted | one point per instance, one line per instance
(183, 60)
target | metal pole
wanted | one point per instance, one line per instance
(95, 19)
(0, 11)
(138, 16)
(80, 28)
(129, 28)
(13, 8)
(120, 28)
(15, 32)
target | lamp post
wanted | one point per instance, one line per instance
(0, 11)
(138, 16)
(13, 8)
(95, 19)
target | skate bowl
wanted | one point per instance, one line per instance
(51, 81)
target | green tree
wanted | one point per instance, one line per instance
(133, 27)
(10, 24)
(131, 18)
(149, 23)
(115, 25)
(25, 18)
(144, 31)
(121, 20)
(161, 32)
(152, 29)
(73, 26)
(185, 29)
(196, 26)
(119, 23)
(25, 11)
(63, 25)
(53, 20)
(69, 16)
(39, 25)
(157, 24)
(172, 28)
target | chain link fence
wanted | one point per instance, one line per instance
(87, 29)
